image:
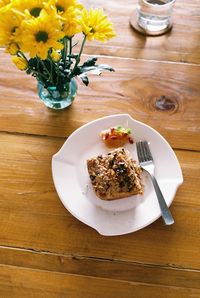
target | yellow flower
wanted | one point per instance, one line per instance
(40, 34)
(63, 5)
(55, 56)
(71, 24)
(13, 48)
(20, 62)
(95, 25)
(9, 27)
(32, 7)
(3, 3)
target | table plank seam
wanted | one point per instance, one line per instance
(180, 62)
(65, 138)
(32, 135)
(142, 59)
(113, 260)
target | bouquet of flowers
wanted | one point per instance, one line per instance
(40, 35)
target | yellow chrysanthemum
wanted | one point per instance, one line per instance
(20, 62)
(55, 56)
(33, 7)
(40, 34)
(9, 27)
(4, 3)
(63, 5)
(95, 25)
(13, 48)
(71, 24)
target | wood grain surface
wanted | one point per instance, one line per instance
(32, 216)
(181, 44)
(23, 282)
(100, 267)
(162, 95)
(44, 250)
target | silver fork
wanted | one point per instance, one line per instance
(146, 162)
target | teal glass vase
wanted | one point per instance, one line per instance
(54, 99)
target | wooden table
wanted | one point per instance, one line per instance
(44, 250)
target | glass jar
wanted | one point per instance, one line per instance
(55, 99)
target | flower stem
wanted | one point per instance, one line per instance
(70, 48)
(51, 69)
(40, 74)
(65, 51)
(70, 45)
(44, 66)
(78, 58)
(23, 56)
(81, 50)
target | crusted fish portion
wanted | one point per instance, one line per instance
(115, 175)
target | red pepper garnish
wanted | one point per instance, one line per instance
(116, 137)
(130, 140)
(106, 136)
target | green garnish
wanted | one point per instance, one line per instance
(121, 129)
(128, 131)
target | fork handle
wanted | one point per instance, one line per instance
(166, 214)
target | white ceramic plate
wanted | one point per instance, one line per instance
(122, 216)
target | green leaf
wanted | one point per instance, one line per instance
(90, 62)
(32, 62)
(28, 71)
(85, 80)
(105, 67)
(78, 71)
(72, 56)
(98, 68)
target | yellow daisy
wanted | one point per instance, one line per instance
(40, 34)
(20, 62)
(55, 56)
(9, 27)
(33, 7)
(63, 5)
(4, 3)
(71, 24)
(95, 25)
(12, 48)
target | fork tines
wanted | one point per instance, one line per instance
(143, 151)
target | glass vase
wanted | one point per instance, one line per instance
(54, 99)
